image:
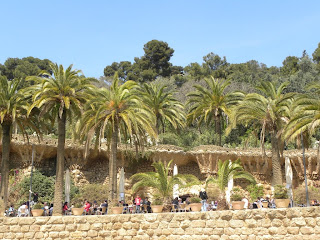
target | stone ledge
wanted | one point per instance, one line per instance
(295, 223)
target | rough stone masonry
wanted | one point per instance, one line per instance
(264, 224)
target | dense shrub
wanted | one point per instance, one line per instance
(255, 191)
(41, 184)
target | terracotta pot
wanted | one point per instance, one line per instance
(117, 210)
(265, 204)
(237, 205)
(195, 207)
(37, 212)
(77, 211)
(157, 208)
(282, 203)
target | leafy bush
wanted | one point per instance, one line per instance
(299, 194)
(195, 199)
(41, 184)
(77, 203)
(280, 192)
(157, 201)
(236, 194)
(37, 206)
(255, 191)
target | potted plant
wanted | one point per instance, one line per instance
(236, 199)
(195, 204)
(37, 210)
(116, 207)
(77, 208)
(281, 196)
(157, 205)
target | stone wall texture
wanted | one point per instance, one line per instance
(294, 223)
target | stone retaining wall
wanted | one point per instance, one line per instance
(294, 223)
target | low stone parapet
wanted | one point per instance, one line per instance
(293, 223)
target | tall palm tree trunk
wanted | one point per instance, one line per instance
(218, 129)
(58, 190)
(276, 164)
(113, 163)
(5, 164)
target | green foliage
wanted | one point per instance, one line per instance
(211, 103)
(77, 203)
(157, 201)
(21, 68)
(41, 184)
(195, 199)
(255, 191)
(228, 170)
(37, 206)
(164, 106)
(280, 192)
(161, 181)
(236, 194)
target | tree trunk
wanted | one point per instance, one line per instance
(58, 189)
(5, 165)
(218, 129)
(276, 164)
(318, 159)
(113, 162)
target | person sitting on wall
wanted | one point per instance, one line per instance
(175, 203)
(147, 205)
(95, 206)
(87, 207)
(11, 211)
(105, 204)
(65, 208)
(137, 202)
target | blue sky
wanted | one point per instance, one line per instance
(93, 34)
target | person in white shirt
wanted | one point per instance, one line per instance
(23, 210)
(246, 203)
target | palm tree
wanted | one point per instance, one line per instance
(116, 110)
(306, 116)
(208, 104)
(13, 110)
(162, 181)
(228, 170)
(164, 105)
(271, 112)
(61, 95)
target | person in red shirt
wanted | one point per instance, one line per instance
(87, 207)
(65, 208)
(137, 201)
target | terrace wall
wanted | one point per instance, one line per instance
(294, 223)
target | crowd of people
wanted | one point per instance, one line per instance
(138, 205)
